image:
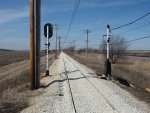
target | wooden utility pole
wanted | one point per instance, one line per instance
(87, 41)
(56, 27)
(32, 46)
(59, 45)
(38, 32)
(74, 46)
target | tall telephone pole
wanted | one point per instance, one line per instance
(59, 45)
(38, 41)
(74, 45)
(32, 46)
(35, 8)
(56, 28)
(87, 41)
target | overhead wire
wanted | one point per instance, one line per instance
(135, 28)
(137, 39)
(76, 5)
(128, 41)
(131, 22)
(68, 45)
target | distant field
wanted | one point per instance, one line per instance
(8, 57)
(139, 53)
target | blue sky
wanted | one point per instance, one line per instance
(92, 14)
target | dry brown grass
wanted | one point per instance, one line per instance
(13, 100)
(136, 71)
(8, 57)
(15, 92)
(13, 96)
(94, 61)
(139, 53)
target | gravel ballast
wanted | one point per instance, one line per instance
(75, 90)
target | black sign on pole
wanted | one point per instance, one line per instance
(50, 30)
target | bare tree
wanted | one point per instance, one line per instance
(118, 47)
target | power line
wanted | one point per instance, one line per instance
(76, 5)
(129, 40)
(137, 39)
(68, 45)
(136, 28)
(73, 16)
(65, 44)
(131, 22)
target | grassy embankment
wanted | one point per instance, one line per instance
(15, 90)
(136, 72)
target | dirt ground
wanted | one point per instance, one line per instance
(15, 93)
(137, 88)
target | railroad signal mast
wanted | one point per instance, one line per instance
(48, 32)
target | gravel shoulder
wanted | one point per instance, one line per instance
(74, 88)
(120, 99)
(56, 97)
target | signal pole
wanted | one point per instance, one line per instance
(108, 63)
(32, 46)
(48, 32)
(87, 41)
(104, 45)
(47, 51)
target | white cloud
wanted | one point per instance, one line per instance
(9, 15)
(113, 3)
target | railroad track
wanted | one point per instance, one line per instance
(110, 104)
(66, 73)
